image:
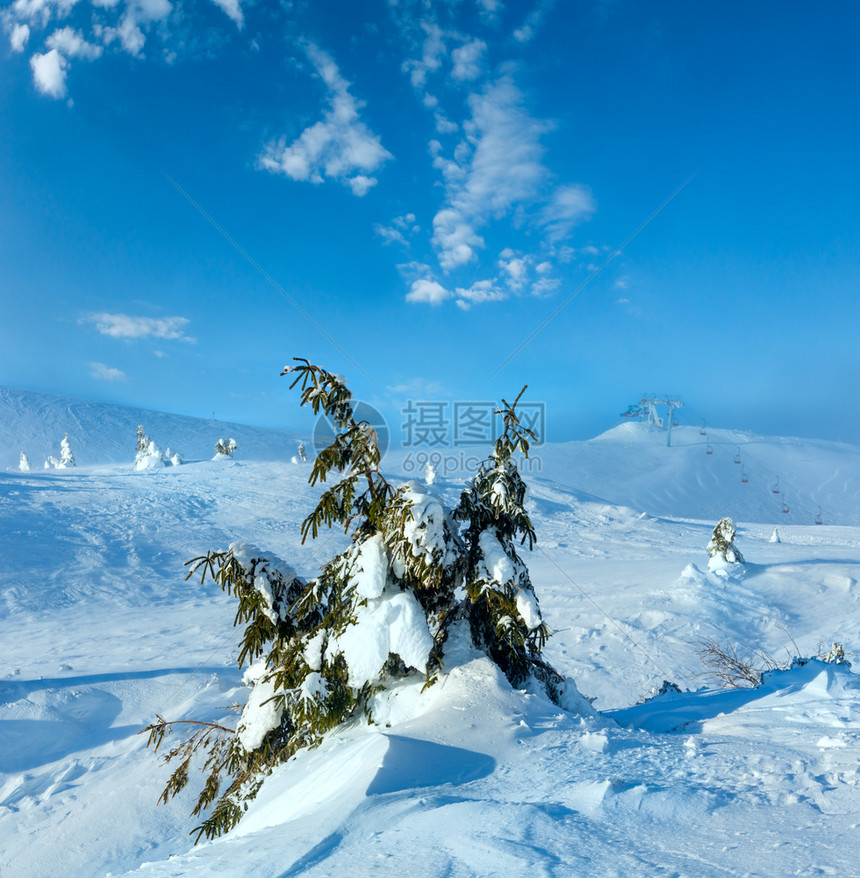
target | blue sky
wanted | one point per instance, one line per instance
(429, 182)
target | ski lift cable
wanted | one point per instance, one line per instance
(769, 473)
(757, 468)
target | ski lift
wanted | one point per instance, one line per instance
(775, 488)
(744, 477)
(785, 507)
(702, 430)
(738, 456)
(708, 449)
(818, 516)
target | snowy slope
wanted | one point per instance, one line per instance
(35, 422)
(99, 631)
(630, 465)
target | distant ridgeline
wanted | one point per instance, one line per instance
(706, 474)
(100, 433)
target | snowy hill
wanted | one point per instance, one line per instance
(99, 631)
(100, 433)
(630, 465)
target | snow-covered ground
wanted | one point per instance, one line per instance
(99, 631)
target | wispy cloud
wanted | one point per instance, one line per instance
(128, 327)
(233, 9)
(569, 206)
(72, 44)
(498, 165)
(468, 60)
(401, 227)
(18, 36)
(106, 373)
(433, 50)
(339, 147)
(418, 388)
(480, 292)
(533, 21)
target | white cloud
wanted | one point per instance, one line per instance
(49, 73)
(233, 9)
(400, 227)
(71, 44)
(467, 60)
(361, 185)
(428, 292)
(18, 37)
(569, 206)
(125, 326)
(444, 125)
(340, 147)
(106, 373)
(433, 51)
(497, 166)
(129, 31)
(390, 235)
(544, 286)
(516, 269)
(489, 9)
(481, 291)
(41, 11)
(455, 238)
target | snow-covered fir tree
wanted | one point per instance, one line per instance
(414, 576)
(774, 536)
(721, 548)
(174, 458)
(23, 463)
(429, 474)
(51, 462)
(301, 453)
(147, 454)
(67, 459)
(225, 448)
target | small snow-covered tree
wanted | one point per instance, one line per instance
(174, 458)
(382, 610)
(302, 454)
(51, 462)
(721, 548)
(225, 448)
(429, 474)
(67, 459)
(23, 463)
(147, 454)
(774, 536)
